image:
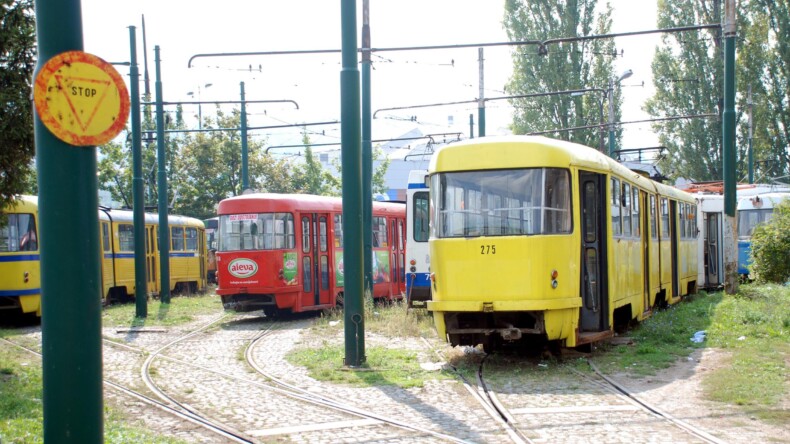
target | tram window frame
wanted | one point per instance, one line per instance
(305, 234)
(626, 209)
(617, 228)
(635, 214)
(323, 235)
(338, 229)
(105, 236)
(380, 232)
(664, 203)
(694, 228)
(177, 238)
(125, 237)
(653, 220)
(19, 233)
(420, 218)
(545, 205)
(191, 239)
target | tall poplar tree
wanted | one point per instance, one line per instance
(688, 73)
(17, 61)
(561, 67)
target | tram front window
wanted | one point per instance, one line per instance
(501, 202)
(263, 231)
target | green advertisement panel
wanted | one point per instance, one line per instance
(381, 267)
(290, 268)
(339, 279)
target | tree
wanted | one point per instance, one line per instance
(560, 67)
(310, 177)
(688, 75)
(771, 247)
(17, 61)
(764, 65)
(209, 168)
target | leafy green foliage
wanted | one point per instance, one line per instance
(771, 247)
(17, 61)
(564, 66)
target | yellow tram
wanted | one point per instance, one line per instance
(20, 276)
(534, 239)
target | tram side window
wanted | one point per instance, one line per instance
(617, 229)
(126, 237)
(626, 210)
(664, 218)
(338, 231)
(653, 227)
(177, 238)
(323, 237)
(379, 232)
(694, 228)
(558, 202)
(682, 210)
(191, 239)
(420, 216)
(635, 211)
(19, 233)
(305, 236)
(105, 236)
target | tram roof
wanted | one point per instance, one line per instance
(274, 202)
(502, 152)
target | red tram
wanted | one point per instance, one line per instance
(284, 252)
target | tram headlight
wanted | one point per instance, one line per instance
(554, 274)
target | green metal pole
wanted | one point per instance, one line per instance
(245, 180)
(70, 267)
(367, 150)
(138, 202)
(481, 103)
(728, 146)
(164, 230)
(351, 156)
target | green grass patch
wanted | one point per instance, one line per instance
(393, 319)
(180, 310)
(753, 327)
(662, 339)
(383, 366)
(22, 412)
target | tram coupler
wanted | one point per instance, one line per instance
(510, 334)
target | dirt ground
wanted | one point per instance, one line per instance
(679, 392)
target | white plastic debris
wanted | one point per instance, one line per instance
(431, 366)
(742, 338)
(698, 337)
(333, 323)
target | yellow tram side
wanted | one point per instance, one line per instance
(20, 277)
(564, 263)
(188, 259)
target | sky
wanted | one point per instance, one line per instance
(183, 29)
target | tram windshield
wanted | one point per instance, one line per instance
(501, 202)
(263, 231)
(748, 219)
(18, 233)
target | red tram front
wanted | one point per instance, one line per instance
(284, 252)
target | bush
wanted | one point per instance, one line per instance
(771, 247)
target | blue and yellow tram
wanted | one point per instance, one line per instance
(20, 277)
(534, 240)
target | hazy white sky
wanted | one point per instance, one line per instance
(185, 28)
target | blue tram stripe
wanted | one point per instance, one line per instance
(20, 258)
(131, 255)
(417, 185)
(9, 293)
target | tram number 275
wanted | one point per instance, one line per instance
(488, 249)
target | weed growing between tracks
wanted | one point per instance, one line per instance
(22, 412)
(181, 310)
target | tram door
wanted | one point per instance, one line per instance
(151, 264)
(396, 259)
(673, 242)
(711, 247)
(316, 258)
(593, 250)
(645, 240)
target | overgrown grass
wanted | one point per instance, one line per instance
(180, 310)
(383, 366)
(662, 339)
(388, 319)
(21, 410)
(753, 327)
